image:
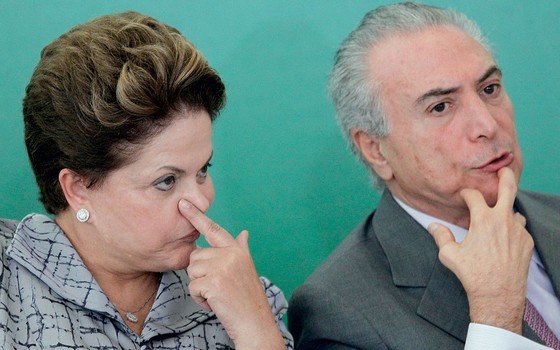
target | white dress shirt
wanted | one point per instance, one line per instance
(539, 292)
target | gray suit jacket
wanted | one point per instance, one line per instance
(384, 287)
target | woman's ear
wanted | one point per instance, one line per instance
(371, 148)
(74, 187)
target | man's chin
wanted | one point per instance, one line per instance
(491, 197)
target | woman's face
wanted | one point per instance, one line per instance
(134, 211)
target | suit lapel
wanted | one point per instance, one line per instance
(412, 255)
(445, 303)
(543, 223)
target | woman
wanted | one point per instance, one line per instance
(118, 119)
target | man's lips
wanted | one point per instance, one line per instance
(497, 163)
(191, 237)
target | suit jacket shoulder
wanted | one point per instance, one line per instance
(369, 293)
(384, 287)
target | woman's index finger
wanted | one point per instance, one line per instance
(215, 235)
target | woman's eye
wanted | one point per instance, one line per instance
(203, 173)
(166, 183)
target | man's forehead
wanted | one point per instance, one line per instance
(441, 57)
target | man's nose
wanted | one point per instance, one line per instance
(481, 122)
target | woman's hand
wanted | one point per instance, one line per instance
(223, 279)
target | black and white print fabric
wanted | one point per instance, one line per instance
(49, 300)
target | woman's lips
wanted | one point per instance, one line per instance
(497, 163)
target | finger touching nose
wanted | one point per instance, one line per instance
(215, 235)
(201, 198)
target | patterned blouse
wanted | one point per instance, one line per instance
(49, 300)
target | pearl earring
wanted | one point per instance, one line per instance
(82, 215)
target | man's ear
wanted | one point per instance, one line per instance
(371, 148)
(74, 187)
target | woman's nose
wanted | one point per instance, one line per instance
(201, 195)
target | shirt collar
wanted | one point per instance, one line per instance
(41, 247)
(458, 232)
(424, 219)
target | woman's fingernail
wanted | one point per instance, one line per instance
(184, 204)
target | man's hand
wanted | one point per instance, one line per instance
(492, 262)
(223, 279)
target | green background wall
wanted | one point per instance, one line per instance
(281, 168)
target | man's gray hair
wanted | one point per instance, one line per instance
(355, 95)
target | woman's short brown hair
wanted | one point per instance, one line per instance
(103, 88)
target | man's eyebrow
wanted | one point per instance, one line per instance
(434, 93)
(441, 92)
(489, 72)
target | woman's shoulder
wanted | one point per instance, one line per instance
(279, 306)
(275, 296)
(7, 229)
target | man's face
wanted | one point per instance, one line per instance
(451, 120)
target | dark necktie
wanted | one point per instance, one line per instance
(536, 322)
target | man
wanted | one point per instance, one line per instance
(453, 257)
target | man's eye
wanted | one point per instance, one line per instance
(166, 183)
(203, 173)
(491, 89)
(440, 107)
